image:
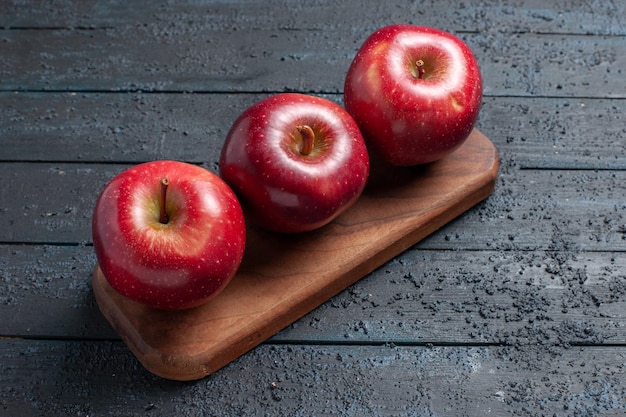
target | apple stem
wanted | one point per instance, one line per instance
(163, 216)
(420, 69)
(308, 139)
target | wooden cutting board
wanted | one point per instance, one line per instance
(283, 277)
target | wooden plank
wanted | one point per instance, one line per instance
(554, 133)
(579, 16)
(497, 297)
(45, 293)
(544, 210)
(283, 277)
(422, 296)
(153, 58)
(529, 210)
(119, 128)
(103, 379)
(50, 203)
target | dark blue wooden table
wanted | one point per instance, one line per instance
(518, 307)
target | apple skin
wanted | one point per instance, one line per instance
(282, 189)
(408, 119)
(177, 265)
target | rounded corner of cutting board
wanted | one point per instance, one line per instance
(119, 313)
(485, 151)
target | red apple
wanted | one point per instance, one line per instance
(168, 234)
(295, 161)
(415, 92)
